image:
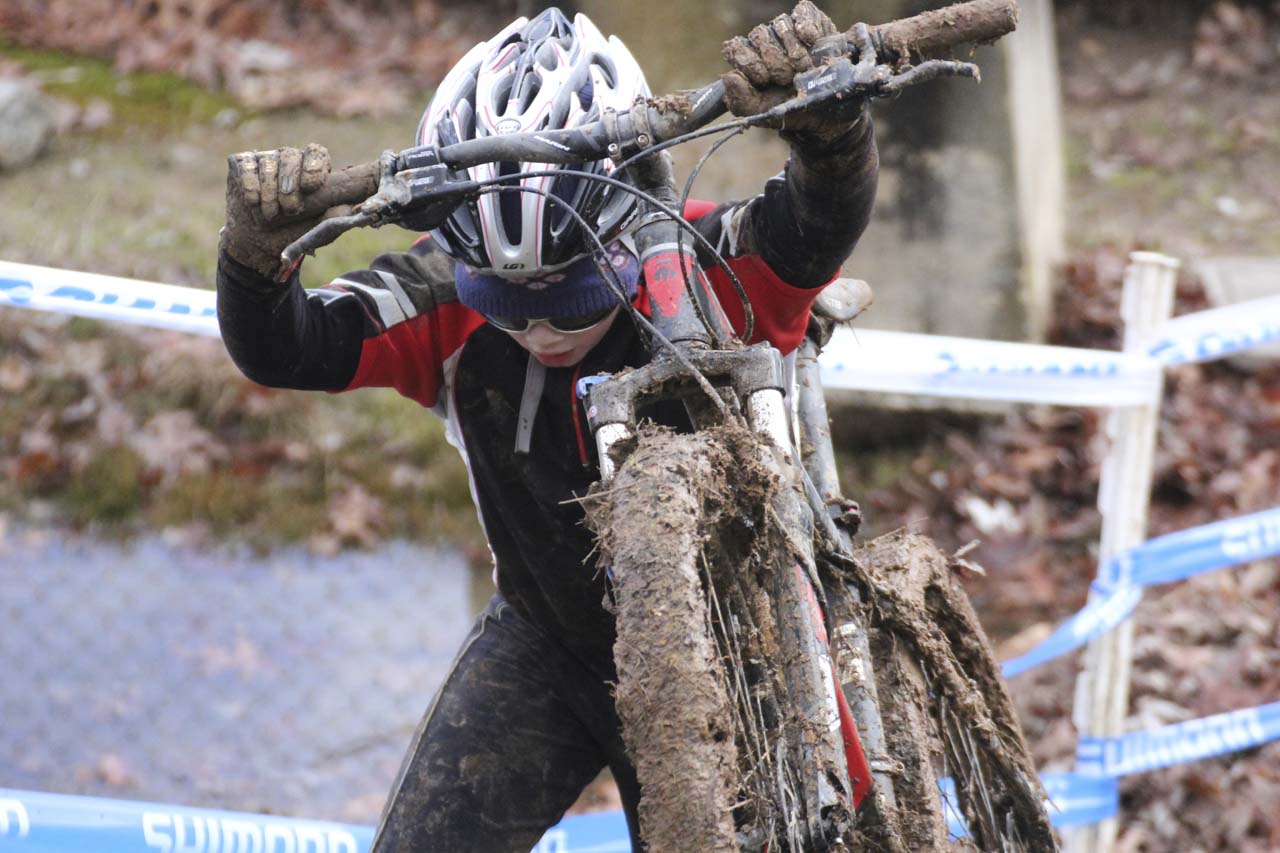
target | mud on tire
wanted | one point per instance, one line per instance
(654, 520)
(703, 701)
(944, 706)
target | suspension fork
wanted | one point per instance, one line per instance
(684, 309)
(681, 299)
(855, 668)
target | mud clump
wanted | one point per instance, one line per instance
(953, 709)
(684, 513)
(676, 497)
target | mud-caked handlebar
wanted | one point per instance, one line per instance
(428, 177)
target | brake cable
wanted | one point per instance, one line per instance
(749, 317)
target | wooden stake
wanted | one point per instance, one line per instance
(1102, 689)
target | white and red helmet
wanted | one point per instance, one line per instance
(539, 74)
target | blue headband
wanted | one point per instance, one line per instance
(572, 291)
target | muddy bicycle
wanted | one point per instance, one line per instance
(778, 688)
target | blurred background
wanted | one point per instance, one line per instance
(222, 595)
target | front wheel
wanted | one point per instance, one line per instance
(711, 667)
(653, 519)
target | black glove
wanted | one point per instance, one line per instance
(274, 197)
(765, 64)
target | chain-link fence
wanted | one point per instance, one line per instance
(286, 684)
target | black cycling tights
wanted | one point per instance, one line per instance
(519, 727)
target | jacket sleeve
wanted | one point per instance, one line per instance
(389, 325)
(788, 242)
(283, 336)
(808, 219)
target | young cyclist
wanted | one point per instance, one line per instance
(489, 321)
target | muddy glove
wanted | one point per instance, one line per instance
(765, 63)
(274, 197)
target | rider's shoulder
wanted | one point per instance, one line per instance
(423, 275)
(401, 285)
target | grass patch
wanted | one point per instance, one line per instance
(885, 468)
(227, 503)
(109, 489)
(1076, 154)
(142, 100)
(1136, 179)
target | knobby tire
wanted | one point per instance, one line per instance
(652, 520)
(945, 708)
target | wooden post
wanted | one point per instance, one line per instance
(1102, 690)
(1035, 113)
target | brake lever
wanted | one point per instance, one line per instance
(409, 181)
(837, 76)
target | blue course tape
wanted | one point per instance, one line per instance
(1219, 332)
(1090, 795)
(1105, 611)
(1076, 800)
(1165, 559)
(33, 822)
(1214, 546)
(103, 297)
(1179, 743)
(59, 823)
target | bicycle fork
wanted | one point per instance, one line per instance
(821, 738)
(747, 381)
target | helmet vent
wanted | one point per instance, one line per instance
(548, 58)
(510, 206)
(566, 189)
(541, 27)
(532, 85)
(502, 93)
(466, 118)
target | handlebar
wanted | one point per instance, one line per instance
(426, 175)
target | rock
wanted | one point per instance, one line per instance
(66, 115)
(96, 115)
(1231, 41)
(184, 155)
(262, 57)
(26, 123)
(227, 118)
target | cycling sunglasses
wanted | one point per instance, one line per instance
(564, 325)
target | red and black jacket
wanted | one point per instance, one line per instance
(397, 324)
